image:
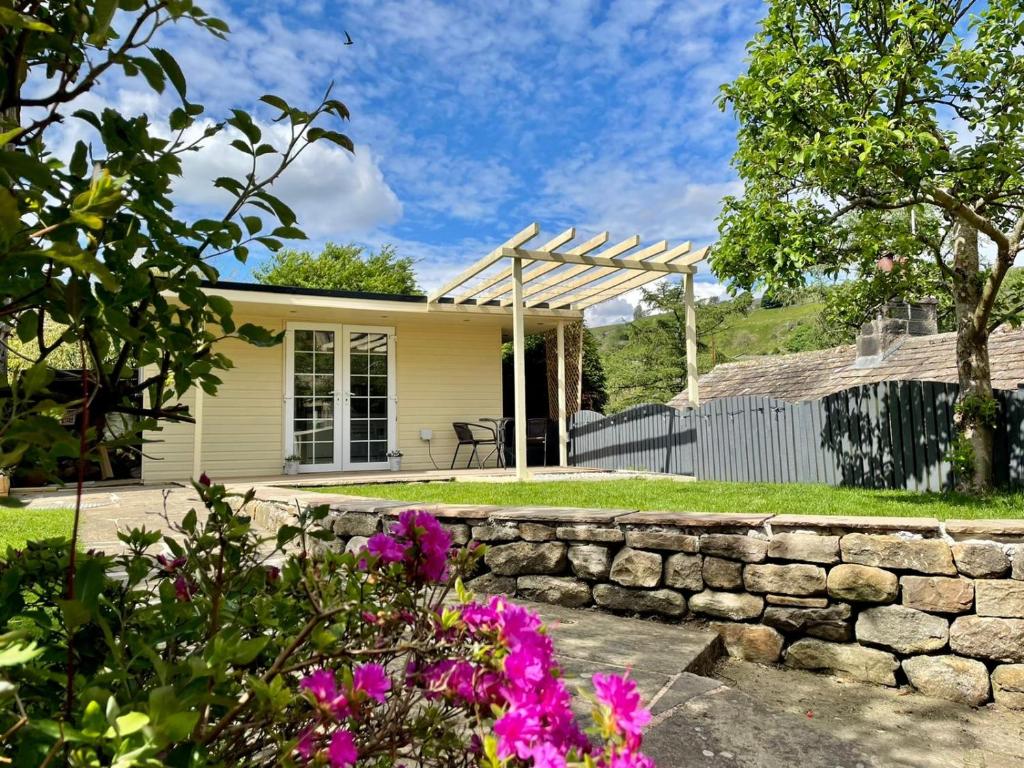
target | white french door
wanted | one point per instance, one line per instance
(340, 403)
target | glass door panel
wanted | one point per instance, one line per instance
(313, 386)
(370, 403)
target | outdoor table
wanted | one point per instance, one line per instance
(500, 427)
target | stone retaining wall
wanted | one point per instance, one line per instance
(938, 605)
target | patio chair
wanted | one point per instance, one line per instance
(464, 431)
(537, 434)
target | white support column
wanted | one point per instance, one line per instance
(519, 368)
(691, 342)
(197, 434)
(563, 427)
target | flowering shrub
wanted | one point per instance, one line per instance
(233, 649)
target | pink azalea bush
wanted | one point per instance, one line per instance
(290, 652)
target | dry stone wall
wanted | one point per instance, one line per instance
(888, 601)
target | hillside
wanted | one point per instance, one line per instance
(761, 332)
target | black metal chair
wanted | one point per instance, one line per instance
(464, 431)
(537, 434)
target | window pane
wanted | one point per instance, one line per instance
(305, 449)
(323, 341)
(379, 386)
(358, 407)
(303, 385)
(324, 453)
(359, 429)
(378, 342)
(379, 429)
(358, 452)
(304, 362)
(303, 341)
(323, 363)
(324, 408)
(324, 385)
(303, 429)
(303, 408)
(378, 451)
(378, 364)
(357, 342)
(360, 386)
(378, 406)
(359, 364)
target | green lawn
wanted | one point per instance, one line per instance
(670, 495)
(20, 525)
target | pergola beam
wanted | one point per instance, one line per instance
(631, 282)
(551, 245)
(532, 289)
(542, 269)
(596, 261)
(592, 275)
(520, 238)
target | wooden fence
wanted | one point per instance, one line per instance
(887, 435)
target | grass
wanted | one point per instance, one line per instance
(18, 525)
(703, 496)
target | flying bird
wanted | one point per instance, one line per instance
(348, 39)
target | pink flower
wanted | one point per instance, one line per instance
(170, 565)
(372, 680)
(184, 589)
(324, 688)
(204, 479)
(342, 751)
(626, 713)
(546, 756)
(386, 548)
(306, 746)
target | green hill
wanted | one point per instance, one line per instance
(761, 332)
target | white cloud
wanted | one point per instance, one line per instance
(334, 193)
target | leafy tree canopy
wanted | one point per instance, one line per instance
(343, 268)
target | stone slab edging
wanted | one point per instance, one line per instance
(939, 605)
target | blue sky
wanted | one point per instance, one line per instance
(473, 119)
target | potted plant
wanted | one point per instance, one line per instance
(291, 464)
(395, 459)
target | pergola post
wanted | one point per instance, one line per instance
(691, 341)
(563, 427)
(519, 368)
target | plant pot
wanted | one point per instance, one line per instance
(395, 463)
(291, 467)
(5, 485)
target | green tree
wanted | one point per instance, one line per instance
(342, 268)
(884, 106)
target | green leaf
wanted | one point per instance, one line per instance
(10, 135)
(258, 336)
(126, 725)
(171, 68)
(27, 325)
(253, 224)
(316, 134)
(102, 15)
(93, 720)
(13, 20)
(247, 650)
(10, 216)
(16, 655)
(275, 101)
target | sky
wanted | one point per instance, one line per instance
(473, 119)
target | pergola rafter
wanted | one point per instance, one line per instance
(561, 282)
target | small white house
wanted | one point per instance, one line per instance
(360, 375)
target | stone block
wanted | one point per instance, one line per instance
(524, 557)
(356, 544)
(806, 547)
(557, 590)
(844, 659)
(797, 602)
(672, 541)
(750, 642)
(953, 678)
(749, 549)
(931, 556)
(536, 532)
(459, 533)
(830, 623)
(720, 573)
(488, 533)
(862, 584)
(662, 601)
(736, 606)
(937, 594)
(492, 584)
(999, 597)
(980, 559)
(356, 524)
(590, 561)
(795, 579)
(636, 568)
(1008, 685)
(982, 637)
(1017, 557)
(594, 533)
(902, 629)
(684, 572)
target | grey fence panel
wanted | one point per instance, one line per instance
(888, 435)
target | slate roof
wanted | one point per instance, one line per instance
(811, 375)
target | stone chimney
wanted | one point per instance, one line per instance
(894, 322)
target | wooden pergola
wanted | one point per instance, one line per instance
(561, 280)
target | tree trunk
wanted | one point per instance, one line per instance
(973, 368)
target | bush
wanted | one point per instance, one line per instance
(234, 649)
